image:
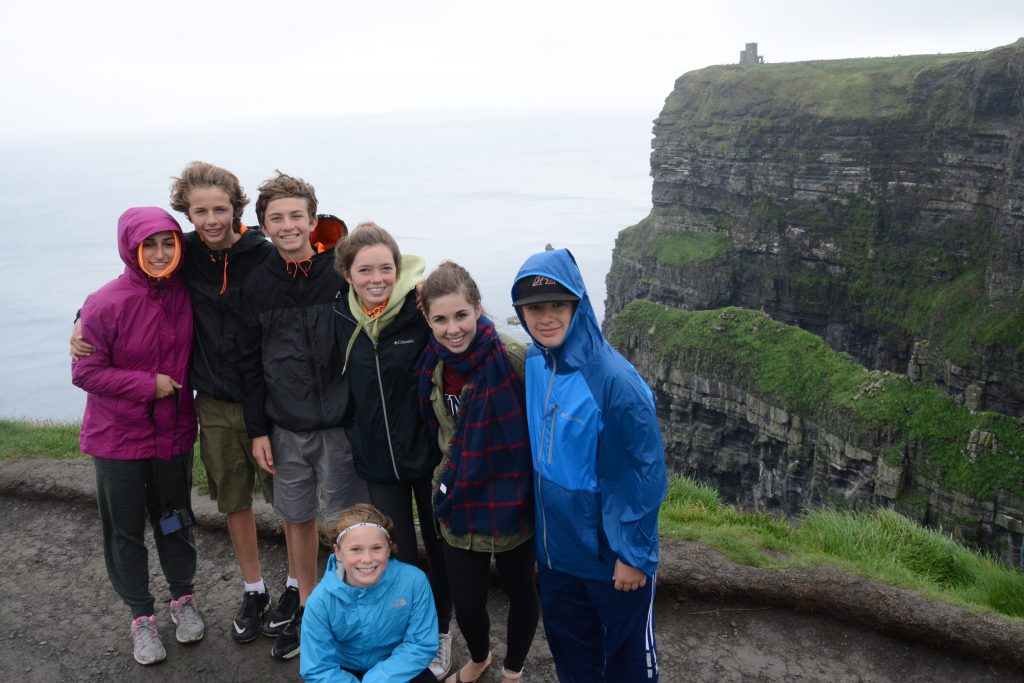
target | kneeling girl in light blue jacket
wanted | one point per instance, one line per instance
(371, 618)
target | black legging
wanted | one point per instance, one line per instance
(395, 501)
(128, 492)
(469, 570)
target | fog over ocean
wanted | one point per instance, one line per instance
(485, 190)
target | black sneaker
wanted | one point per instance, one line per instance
(249, 621)
(279, 617)
(287, 645)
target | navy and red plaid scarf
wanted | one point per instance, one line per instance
(488, 483)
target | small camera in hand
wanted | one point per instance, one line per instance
(176, 520)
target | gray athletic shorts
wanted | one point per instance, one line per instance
(309, 464)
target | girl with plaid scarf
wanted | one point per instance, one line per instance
(471, 396)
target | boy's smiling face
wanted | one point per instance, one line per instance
(288, 224)
(210, 211)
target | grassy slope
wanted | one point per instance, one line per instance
(879, 544)
(797, 371)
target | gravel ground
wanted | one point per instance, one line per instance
(64, 622)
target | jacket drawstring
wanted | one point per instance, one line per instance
(293, 267)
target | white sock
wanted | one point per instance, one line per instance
(259, 587)
(292, 582)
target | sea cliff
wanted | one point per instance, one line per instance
(877, 204)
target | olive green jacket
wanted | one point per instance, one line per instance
(515, 354)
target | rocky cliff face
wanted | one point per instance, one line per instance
(765, 457)
(878, 203)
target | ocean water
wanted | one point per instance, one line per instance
(485, 190)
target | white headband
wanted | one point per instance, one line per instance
(344, 531)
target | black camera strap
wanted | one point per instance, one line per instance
(173, 483)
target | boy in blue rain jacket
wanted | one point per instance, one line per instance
(599, 481)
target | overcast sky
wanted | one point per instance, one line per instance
(72, 66)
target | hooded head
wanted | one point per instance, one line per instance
(134, 226)
(553, 276)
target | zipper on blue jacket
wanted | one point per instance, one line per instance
(551, 442)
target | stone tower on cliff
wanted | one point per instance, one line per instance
(749, 55)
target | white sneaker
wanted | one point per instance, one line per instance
(442, 664)
(185, 613)
(146, 646)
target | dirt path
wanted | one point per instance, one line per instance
(64, 623)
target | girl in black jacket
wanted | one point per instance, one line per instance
(383, 332)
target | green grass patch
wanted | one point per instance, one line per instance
(27, 439)
(690, 248)
(879, 544)
(798, 371)
(21, 439)
(631, 241)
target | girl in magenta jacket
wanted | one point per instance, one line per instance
(139, 423)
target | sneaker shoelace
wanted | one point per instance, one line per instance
(250, 604)
(289, 601)
(186, 608)
(144, 631)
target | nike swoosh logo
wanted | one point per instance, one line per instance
(275, 624)
(238, 630)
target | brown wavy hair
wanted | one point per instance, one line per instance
(199, 174)
(366, 234)
(449, 278)
(281, 186)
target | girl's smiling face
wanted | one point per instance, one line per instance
(363, 554)
(453, 321)
(372, 275)
(157, 252)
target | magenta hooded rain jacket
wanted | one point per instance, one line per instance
(140, 327)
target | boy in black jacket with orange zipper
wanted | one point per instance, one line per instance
(296, 402)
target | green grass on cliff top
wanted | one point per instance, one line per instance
(879, 544)
(798, 372)
(842, 88)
